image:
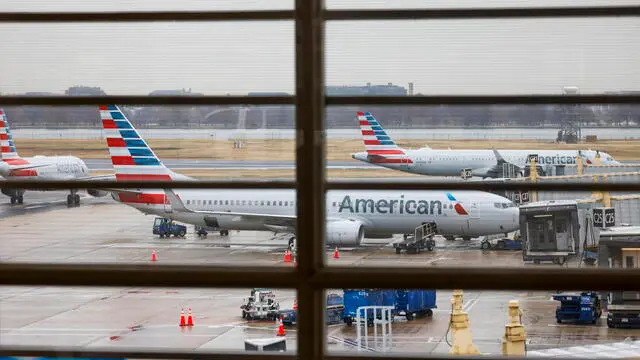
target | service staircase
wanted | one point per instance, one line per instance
(422, 238)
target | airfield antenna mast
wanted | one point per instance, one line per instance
(571, 122)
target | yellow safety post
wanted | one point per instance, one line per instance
(596, 194)
(602, 196)
(514, 335)
(533, 177)
(462, 343)
(606, 196)
(579, 164)
(597, 160)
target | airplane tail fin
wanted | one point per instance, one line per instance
(7, 145)
(380, 148)
(131, 156)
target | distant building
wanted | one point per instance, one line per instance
(38, 93)
(84, 91)
(367, 90)
(186, 92)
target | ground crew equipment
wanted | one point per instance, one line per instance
(261, 304)
(167, 227)
(583, 308)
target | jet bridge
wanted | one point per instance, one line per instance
(619, 247)
(550, 231)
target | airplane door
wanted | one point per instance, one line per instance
(405, 162)
(167, 206)
(473, 221)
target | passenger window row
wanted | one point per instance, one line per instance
(241, 203)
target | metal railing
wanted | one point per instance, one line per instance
(311, 276)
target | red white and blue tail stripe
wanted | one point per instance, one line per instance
(380, 148)
(132, 158)
(7, 146)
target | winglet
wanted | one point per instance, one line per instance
(174, 200)
(499, 157)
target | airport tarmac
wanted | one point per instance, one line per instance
(199, 164)
(102, 231)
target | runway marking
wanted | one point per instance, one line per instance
(352, 343)
(468, 305)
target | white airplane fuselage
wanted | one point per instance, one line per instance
(44, 168)
(452, 162)
(382, 212)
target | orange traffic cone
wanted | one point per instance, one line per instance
(336, 255)
(154, 256)
(295, 304)
(189, 319)
(281, 331)
(287, 256)
(182, 320)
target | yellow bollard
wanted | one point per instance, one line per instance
(514, 335)
(462, 342)
(533, 177)
(579, 165)
(606, 196)
(597, 159)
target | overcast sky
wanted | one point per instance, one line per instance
(440, 57)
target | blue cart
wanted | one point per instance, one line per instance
(355, 298)
(584, 308)
(415, 303)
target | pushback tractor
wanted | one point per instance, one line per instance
(167, 227)
(261, 305)
(585, 308)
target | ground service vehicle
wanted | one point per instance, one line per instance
(167, 227)
(583, 308)
(335, 312)
(261, 304)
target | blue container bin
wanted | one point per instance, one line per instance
(355, 298)
(411, 303)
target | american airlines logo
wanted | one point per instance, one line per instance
(556, 160)
(402, 206)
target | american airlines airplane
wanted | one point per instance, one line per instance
(352, 215)
(382, 150)
(14, 167)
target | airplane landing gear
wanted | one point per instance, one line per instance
(73, 199)
(16, 199)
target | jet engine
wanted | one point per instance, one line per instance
(344, 232)
(97, 193)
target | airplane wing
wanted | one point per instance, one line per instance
(496, 170)
(27, 167)
(285, 221)
(96, 177)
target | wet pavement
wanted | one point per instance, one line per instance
(105, 232)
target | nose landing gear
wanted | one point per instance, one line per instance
(73, 199)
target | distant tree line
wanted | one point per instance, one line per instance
(337, 117)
